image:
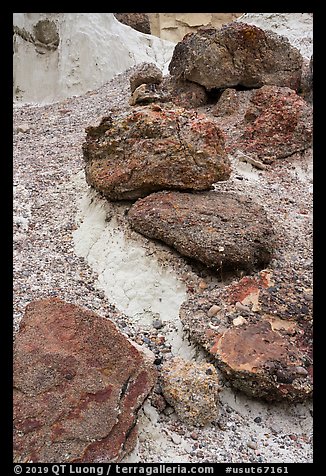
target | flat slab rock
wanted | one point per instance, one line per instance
(269, 123)
(222, 230)
(259, 330)
(154, 148)
(78, 385)
(237, 54)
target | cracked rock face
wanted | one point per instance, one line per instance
(154, 148)
(237, 54)
(259, 330)
(192, 389)
(222, 230)
(78, 386)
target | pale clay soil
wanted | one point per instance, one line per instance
(71, 243)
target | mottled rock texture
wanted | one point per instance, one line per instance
(268, 123)
(154, 148)
(192, 389)
(222, 230)
(260, 334)
(78, 386)
(237, 54)
(145, 73)
(137, 21)
(307, 80)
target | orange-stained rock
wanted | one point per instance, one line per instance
(78, 386)
(267, 353)
(154, 148)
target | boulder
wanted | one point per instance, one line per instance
(145, 73)
(192, 389)
(268, 123)
(260, 335)
(184, 93)
(223, 230)
(137, 21)
(78, 386)
(238, 54)
(307, 80)
(154, 148)
(146, 94)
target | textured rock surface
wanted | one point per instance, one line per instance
(78, 386)
(237, 54)
(45, 31)
(192, 389)
(268, 123)
(145, 73)
(154, 148)
(307, 80)
(92, 49)
(184, 93)
(174, 26)
(261, 334)
(146, 94)
(223, 230)
(137, 21)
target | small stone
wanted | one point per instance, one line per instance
(168, 410)
(238, 321)
(301, 371)
(157, 324)
(252, 445)
(176, 438)
(257, 420)
(194, 435)
(212, 311)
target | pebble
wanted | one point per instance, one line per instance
(194, 435)
(241, 307)
(157, 324)
(252, 445)
(176, 438)
(212, 311)
(257, 419)
(301, 371)
(238, 321)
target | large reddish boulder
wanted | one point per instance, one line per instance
(222, 230)
(78, 386)
(237, 54)
(259, 331)
(154, 148)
